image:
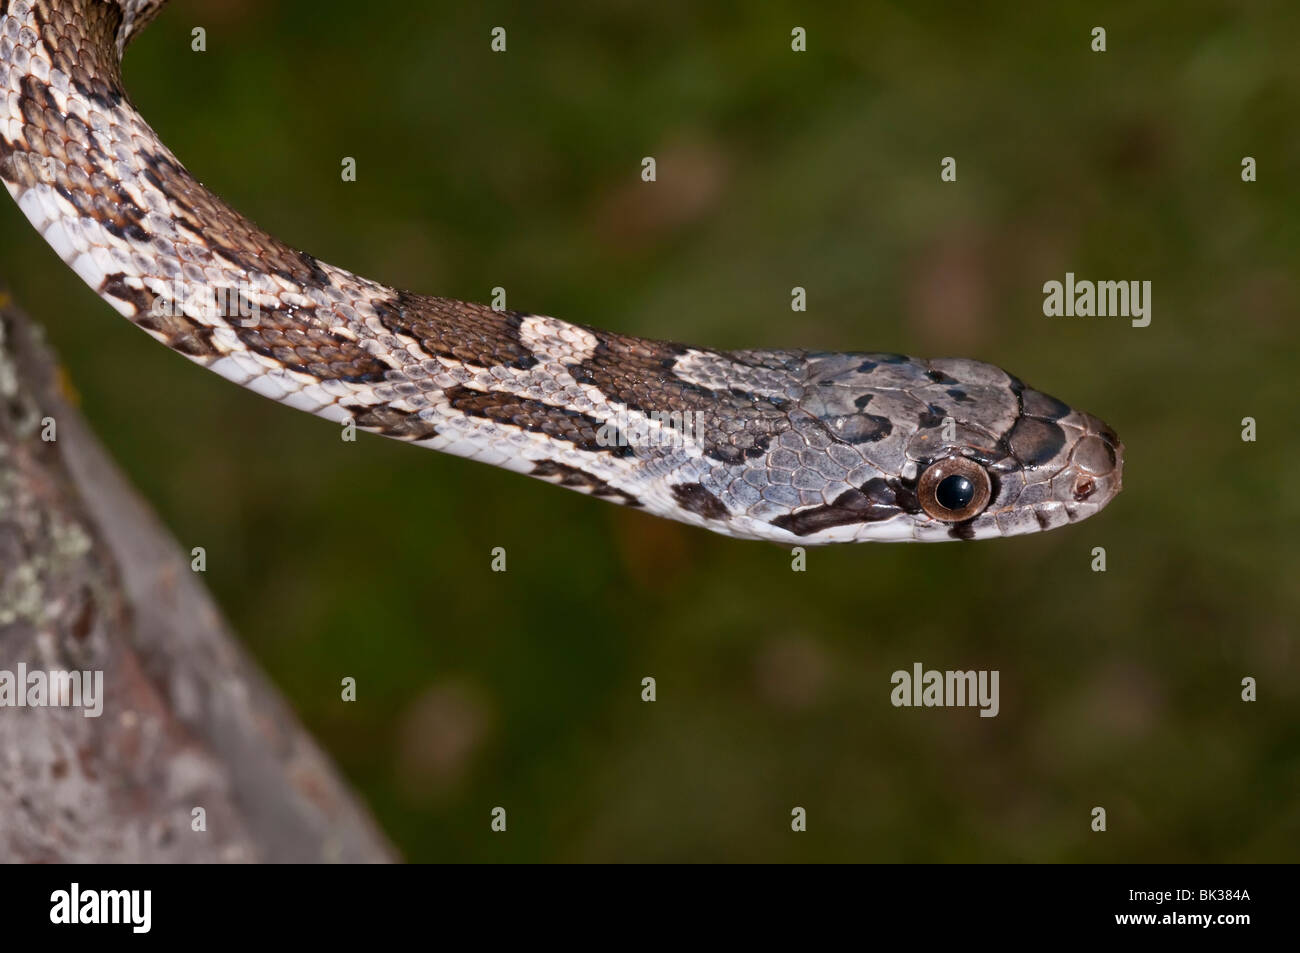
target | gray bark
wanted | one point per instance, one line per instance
(91, 581)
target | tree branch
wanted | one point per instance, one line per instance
(91, 581)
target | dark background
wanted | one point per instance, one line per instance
(476, 689)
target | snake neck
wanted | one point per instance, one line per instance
(106, 26)
(136, 14)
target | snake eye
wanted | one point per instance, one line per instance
(954, 489)
(954, 492)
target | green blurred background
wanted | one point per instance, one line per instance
(476, 689)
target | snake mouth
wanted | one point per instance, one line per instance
(1094, 474)
(1118, 472)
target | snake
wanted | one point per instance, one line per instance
(792, 446)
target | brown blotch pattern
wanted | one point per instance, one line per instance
(181, 332)
(224, 231)
(81, 38)
(292, 337)
(638, 373)
(472, 333)
(560, 423)
(877, 500)
(565, 475)
(1034, 442)
(694, 498)
(395, 423)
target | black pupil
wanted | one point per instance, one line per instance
(954, 492)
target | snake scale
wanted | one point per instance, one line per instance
(793, 446)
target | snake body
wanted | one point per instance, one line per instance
(787, 445)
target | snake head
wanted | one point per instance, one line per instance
(1057, 470)
(1056, 465)
(1009, 459)
(955, 449)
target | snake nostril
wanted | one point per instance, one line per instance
(1083, 488)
